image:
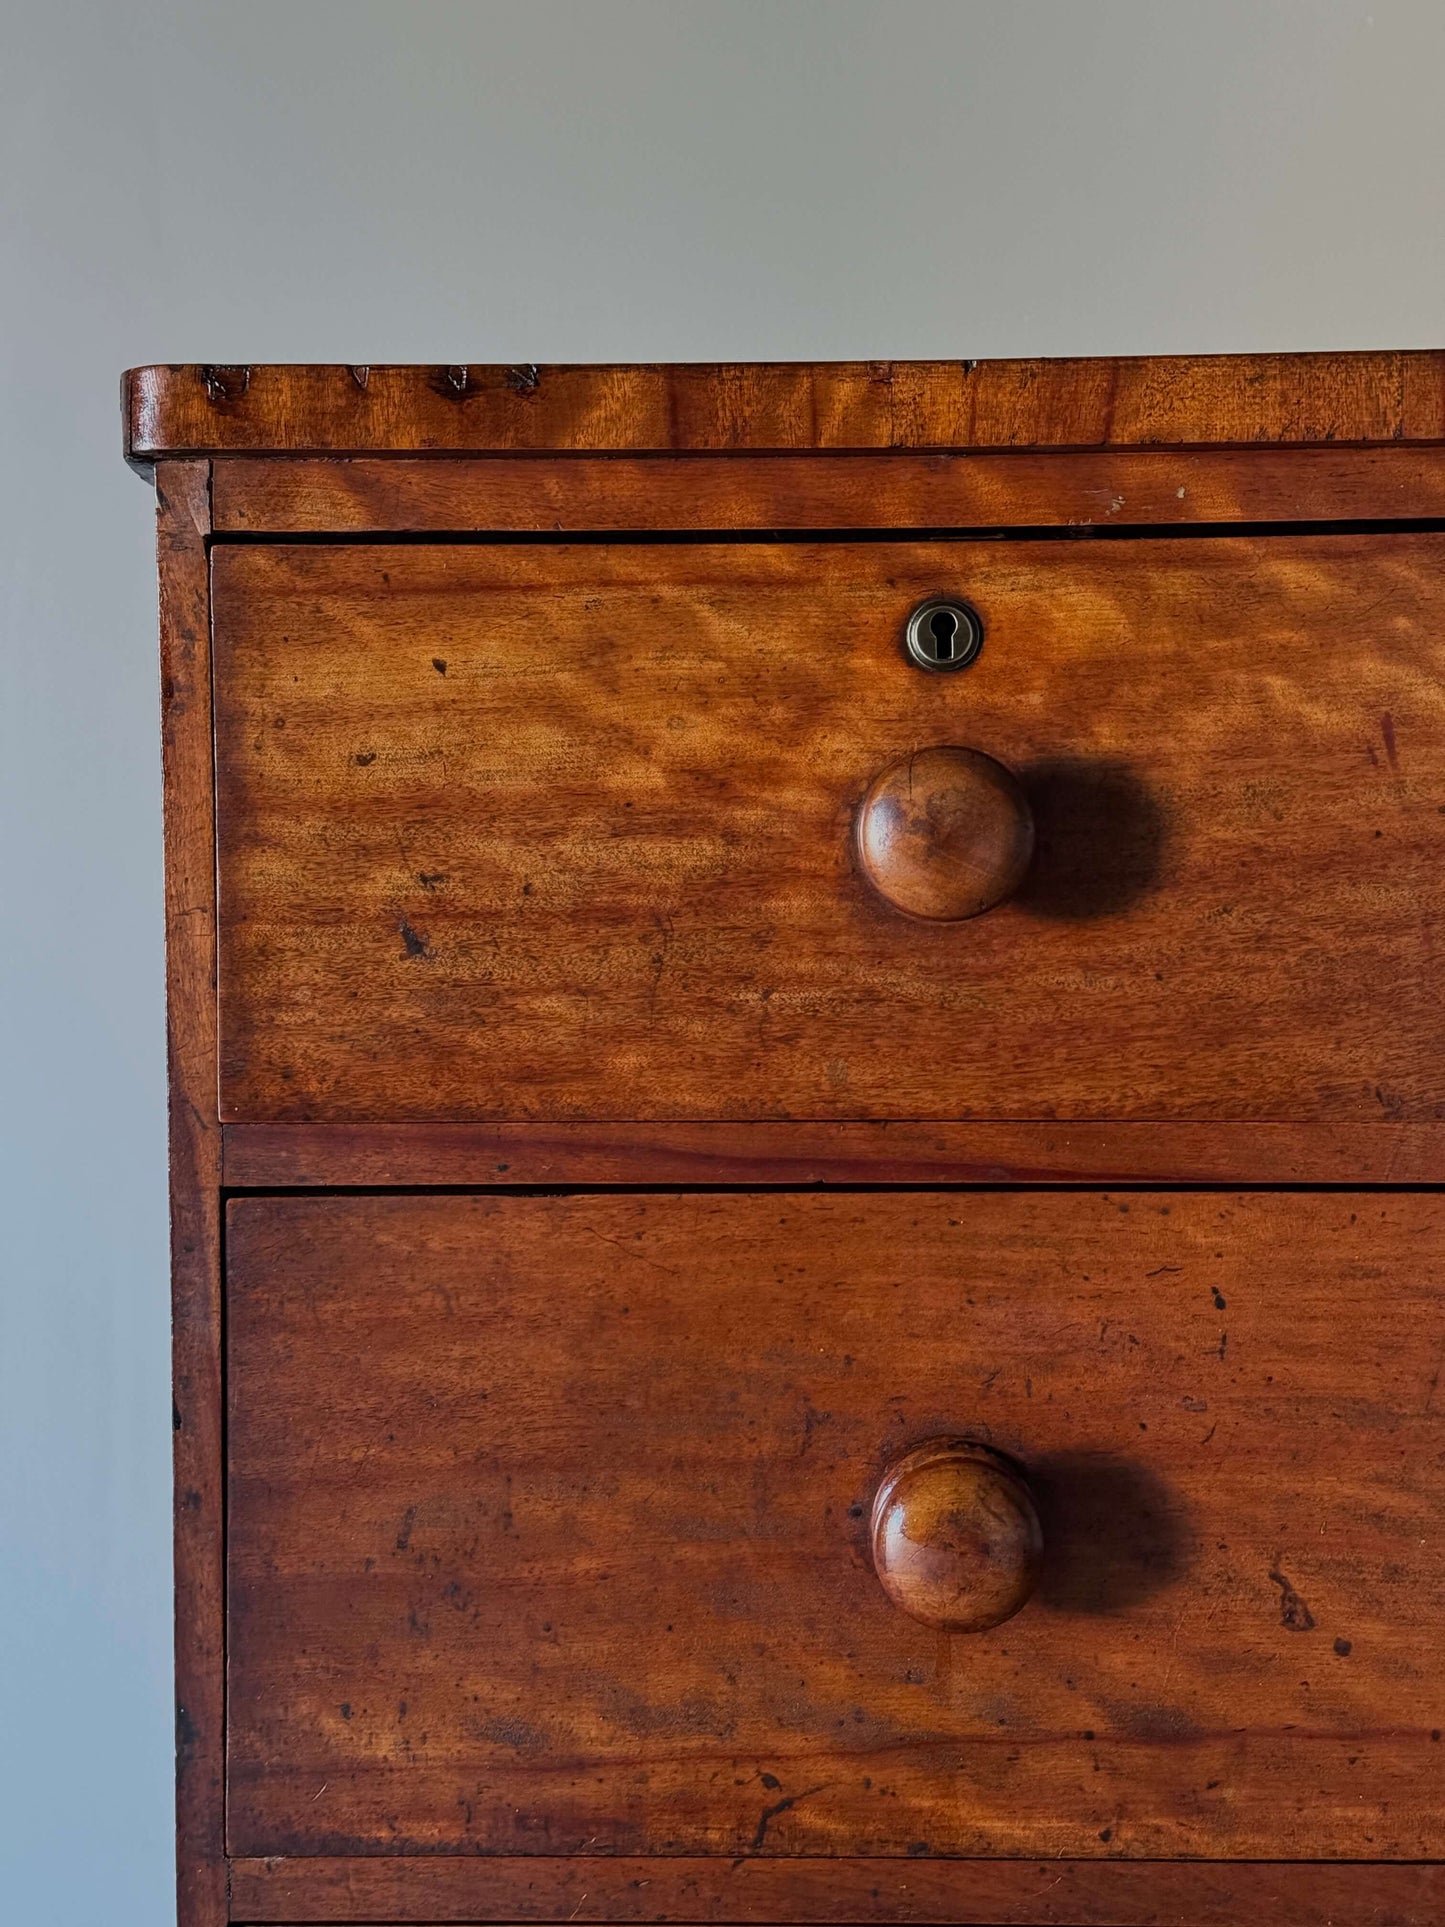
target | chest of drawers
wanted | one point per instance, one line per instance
(807, 1111)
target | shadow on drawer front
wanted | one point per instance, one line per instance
(624, 1524)
(659, 831)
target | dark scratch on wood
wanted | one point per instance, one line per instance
(416, 945)
(1294, 1615)
(769, 1814)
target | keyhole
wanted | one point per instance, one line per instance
(943, 626)
(943, 633)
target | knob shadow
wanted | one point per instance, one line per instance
(1114, 1532)
(1100, 839)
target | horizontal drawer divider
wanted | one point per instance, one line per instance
(425, 1891)
(306, 1156)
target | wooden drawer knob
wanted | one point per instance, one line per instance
(945, 833)
(956, 1537)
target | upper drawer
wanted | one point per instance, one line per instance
(545, 831)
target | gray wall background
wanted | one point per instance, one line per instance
(529, 180)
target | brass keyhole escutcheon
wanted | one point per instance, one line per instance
(943, 634)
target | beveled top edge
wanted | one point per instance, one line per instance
(198, 409)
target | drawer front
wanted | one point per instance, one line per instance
(568, 832)
(551, 1524)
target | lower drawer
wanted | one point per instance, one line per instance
(551, 1525)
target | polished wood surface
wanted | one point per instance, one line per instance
(429, 1889)
(1068, 403)
(563, 832)
(552, 1514)
(879, 490)
(182, 505)
(944, 833)
(264, 1156)
(549, 1524)
(956, 1537)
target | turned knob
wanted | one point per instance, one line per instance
(956, 1539)
(945, 833)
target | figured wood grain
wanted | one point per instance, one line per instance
(266, 1156)
(183, 508)
(878, 490)
(565, 832)
(1124, 420)
(549, 1525)
(429, 1890)
(1066, 403)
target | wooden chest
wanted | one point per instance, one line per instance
(808, 1103)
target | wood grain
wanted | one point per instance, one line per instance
(182, 501)
(268, 1156)
(549, 1525)
(552, 1551)
(565, 832)
(803, 1892)
(1066, 403)
(578, 493)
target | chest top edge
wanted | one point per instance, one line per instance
(1296, 400)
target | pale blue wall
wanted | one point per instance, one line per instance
(612, 179)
